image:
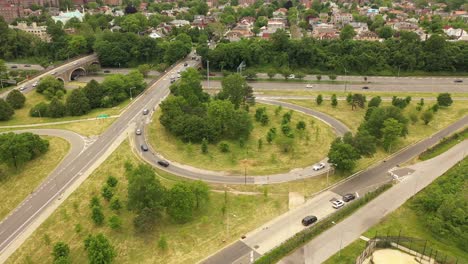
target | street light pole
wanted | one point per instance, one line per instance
(131, 97)
(346, 79)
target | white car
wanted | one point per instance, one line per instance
(292, 76)
(35, 84)
(337, 204)
(309, 86)
(319, 166)
(22, 88)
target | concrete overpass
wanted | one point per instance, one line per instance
(74, 69)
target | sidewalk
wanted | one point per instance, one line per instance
(350, 229)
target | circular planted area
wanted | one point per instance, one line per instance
(281, 140)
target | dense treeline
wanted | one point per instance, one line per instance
(17, 149)
(407, 54)
(192, 115)
(441, 206)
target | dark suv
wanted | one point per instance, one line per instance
(144, 147)
(163, 163)
(348, 197)
(308, 220)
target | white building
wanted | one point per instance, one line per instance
(39, 31)
(65, 16)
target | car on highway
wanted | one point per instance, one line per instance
(35, 84)
(27, 65)
(348, 197)
(138, 131)
(292, 76)
(365, 87)
(185, 64)
(22, 88)
(144, 147)
(458, 81)
(337, 204)
(163, 163)
(319, 166)
(308, 220)
(106, 71)
(145, 111)
(14, 66)
(309, 86)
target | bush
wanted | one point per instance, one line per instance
(115, 222)
(204, 146)
(286, 129)
(162, 243)
(319, 77)
(444, 99)
(15, 99)
(301, 125)
(97, 215)
(107, 192)
(223, 146)
(427, 117)
(435, 108)
(319, 99)
(115, 204)
(94, 202)
(6, 111)
(61, 250)
(332, 77)
(334, 100)
(112, 181)
(375, 101)
(39, 110)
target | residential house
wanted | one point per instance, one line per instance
(342, 18)
(359, 27)
(456, 33)
(405, 26)
(242, 30)
(368, 36)
(246, 2)
(321, 30)
(179, 23)
(280, 12)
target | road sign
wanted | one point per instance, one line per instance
(103, 116)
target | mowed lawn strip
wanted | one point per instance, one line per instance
(309, 147)
(187, 243)
(15, 186)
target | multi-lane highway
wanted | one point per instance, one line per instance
(64, 175)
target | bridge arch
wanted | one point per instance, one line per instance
(80, 71)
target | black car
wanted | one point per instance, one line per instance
(14, 66)
(185, 64)
(348, 197)
(308, 220)
(144, 147)
(365, 87)
(27, 65)
(163, 163)
(458, 81)
(106, 71)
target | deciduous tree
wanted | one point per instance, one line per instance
(15, 99)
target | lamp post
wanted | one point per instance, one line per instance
(131, 97)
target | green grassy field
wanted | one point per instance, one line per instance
(444, 145)
(187, 243)
(269, 159)
(15, 186)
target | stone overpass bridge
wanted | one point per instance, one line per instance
(71, 70)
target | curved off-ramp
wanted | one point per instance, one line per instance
(152, 156)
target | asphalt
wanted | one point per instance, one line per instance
(281, 228)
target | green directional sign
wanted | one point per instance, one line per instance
(103, 116)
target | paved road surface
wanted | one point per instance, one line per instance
(281, 228)
(152, 156)
(382, 85)
(22, 217)
(347, 231)
(22, 66)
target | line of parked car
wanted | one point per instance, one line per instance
(336, 204)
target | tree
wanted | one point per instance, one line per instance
(61, 253)
(201, 191)
(349, 98)
(399, 102)
(286, 72)
(319, 99)
(17, 149)
(50, 87)
(260, 144)
(144, 190)
(39, 110)
(145, 220)
(342, 155)
(112, 181)
(181, 203)
(77, 104)
(347, 32)
(301, 125)
(249, 74)
(6, 111)
(385, 32)
(3, 72)
(162, 243)
(94, 92)
(115, 204)
(56, 108)
(334, 100)
(374, 121)
(375, 102)
(427, 117)
(235, 89)
(97, 215)
(444, 99)
(271, 73)
(204, 146)
(15, 99)
(300, 75)
(391, 130)
(365, 143)
(319, 77)
(107, 192)
(100, 251)
(332, 77)
(144, 69)
(358, 100)
(223, 146)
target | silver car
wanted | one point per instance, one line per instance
(319, 166)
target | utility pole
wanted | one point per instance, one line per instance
(131, 97)
(208, 72)
(346, 79)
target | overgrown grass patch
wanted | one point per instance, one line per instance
(444, 145)
(16, 185)
(310, 145)
(187, 243)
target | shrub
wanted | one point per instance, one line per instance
(107, 192)
(319, 99)
(112, 181)
(301, 125)
(334, 100)
(375, 101)
(162, 243)
(97, 215)
(115, 204)
(15, 99)
(204, 146)
(223, 147)
(115, 222)
(444, 99)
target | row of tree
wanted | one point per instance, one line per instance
(113, 90)
(192, 115)
(18, 149)
(14, 100)
(100, 250)
(407, 53)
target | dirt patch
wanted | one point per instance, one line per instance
(391, 256)
(295, 199)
